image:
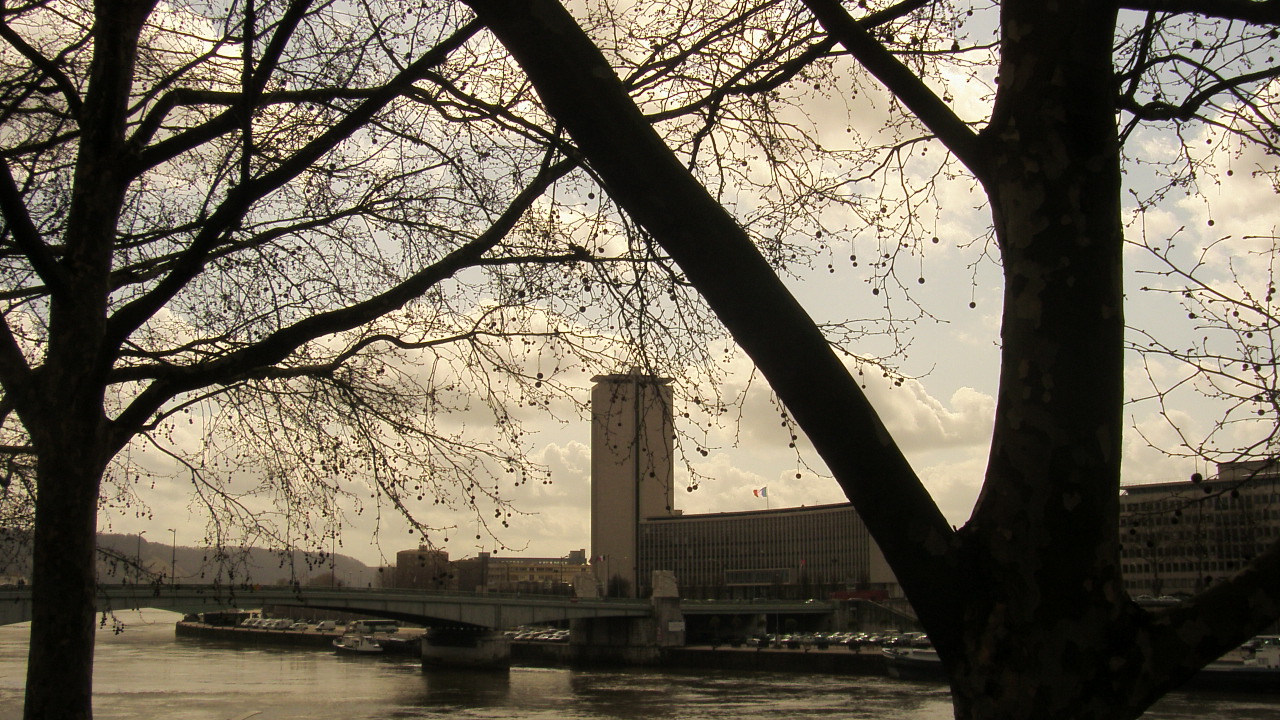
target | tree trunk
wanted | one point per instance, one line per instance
(60, 659)
(1048, 626)
(68, 428)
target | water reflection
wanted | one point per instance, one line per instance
(450, 692)
(633, 695)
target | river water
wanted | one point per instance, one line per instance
(145, 672)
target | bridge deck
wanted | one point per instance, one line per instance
(417, 606)
(492, 610)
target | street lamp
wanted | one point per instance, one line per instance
(137, 559)
(173, 559)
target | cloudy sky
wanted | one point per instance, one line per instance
(941, 415)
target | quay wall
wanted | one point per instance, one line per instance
(257, 636)
(833, 661)
(836, 660)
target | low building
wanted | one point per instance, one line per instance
(544, 576)
(1179, 538)
(385, 576)
(424, 569)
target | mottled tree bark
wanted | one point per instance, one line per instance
(1042, 545)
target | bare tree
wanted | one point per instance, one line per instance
(1025, 602)
(278, 244)
(321, 258)
(308, 235)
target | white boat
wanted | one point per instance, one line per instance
(917, 661)
(357, 644)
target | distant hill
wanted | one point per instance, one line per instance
(196, 564)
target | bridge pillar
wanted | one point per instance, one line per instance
(632, 641)
(468, 648)
(669, 620)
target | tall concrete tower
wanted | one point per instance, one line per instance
(632, 475)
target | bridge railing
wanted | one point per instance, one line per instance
(15, 603)
(250, 588)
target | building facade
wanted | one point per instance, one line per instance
(635, 528)
(542, 576)
(632, 472)
(423, 569)
(1179, 538)
(794, 553)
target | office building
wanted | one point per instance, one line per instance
(542, 576)
(793, 553)
(636, 528)
(1178, 538)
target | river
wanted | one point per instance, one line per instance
(145, 672)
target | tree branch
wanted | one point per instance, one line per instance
(160, 370)
(902, 82)
(581, 90)
(15, 373)
(46, 66)
(1187, 109)
(789, 69)
(26, 236)
(240, 102)
(242, 197)
(278, 345)
(1197, 631)
(1266, 12)
(221, 123)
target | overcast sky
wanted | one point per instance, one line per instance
(941, 417)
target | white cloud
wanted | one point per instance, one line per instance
(954, 482)
(942, 420)
(920, 422)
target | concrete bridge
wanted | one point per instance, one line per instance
(495, 611)
(464, 628)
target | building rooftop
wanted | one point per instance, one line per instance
(753, 513)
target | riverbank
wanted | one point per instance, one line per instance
(831, 661)
(836, 660)
(258, 636)
(404, 641)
